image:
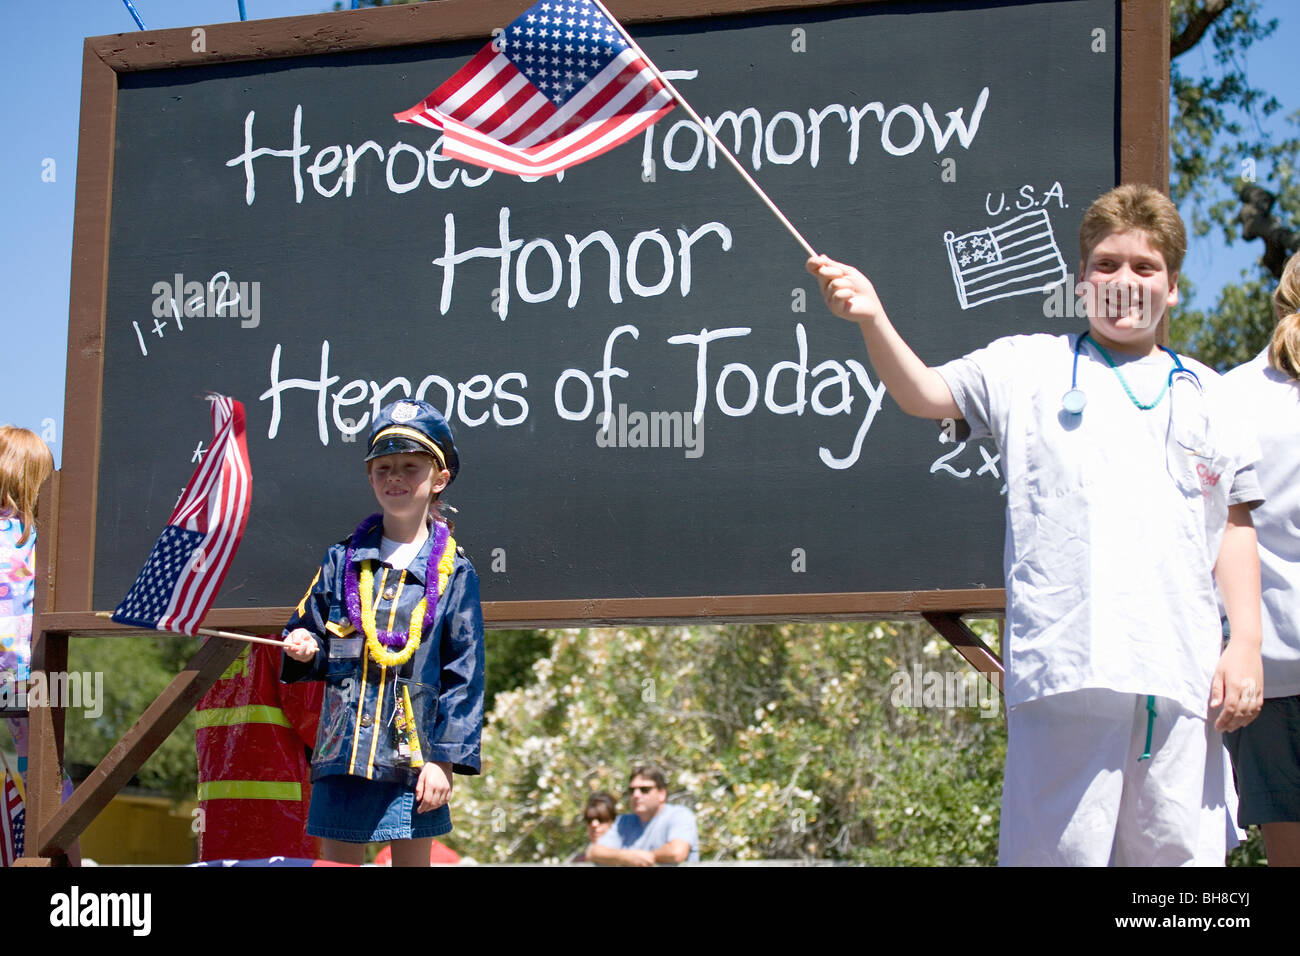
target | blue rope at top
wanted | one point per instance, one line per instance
(135, 16)
(243, 14)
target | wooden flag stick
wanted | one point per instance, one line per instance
(235, 636)
(704, 127)
(209, 632)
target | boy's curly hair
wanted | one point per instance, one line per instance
(1135, 207)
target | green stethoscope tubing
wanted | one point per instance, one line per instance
(1075, 400)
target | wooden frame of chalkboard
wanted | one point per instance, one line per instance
(1135, 150)
(1136, 153)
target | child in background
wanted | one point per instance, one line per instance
(25, 463)
(392, 622)
(598, 816)
(1128, 493)
(1266, 754)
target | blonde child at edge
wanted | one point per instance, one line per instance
(25, 463)
(1129, 494)
(1266, 754)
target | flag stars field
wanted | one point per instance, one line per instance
(537, 113)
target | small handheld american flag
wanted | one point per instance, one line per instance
(184, 571)
(13, 816)
(558, 86)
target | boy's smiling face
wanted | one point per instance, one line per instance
(405, 484)
(1128, 288)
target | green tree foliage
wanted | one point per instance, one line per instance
(1235, 330)
(790, 741)
(1218, 146)
(510, 657)
(135, 671)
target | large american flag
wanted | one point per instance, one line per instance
(13, 818)
(180, 579)
(559, 86)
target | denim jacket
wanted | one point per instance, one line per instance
(444, 679)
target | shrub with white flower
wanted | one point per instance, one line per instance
(782, 738)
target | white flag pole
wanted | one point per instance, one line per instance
(234, 636)
(706, 130)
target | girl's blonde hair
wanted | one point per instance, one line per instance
(1284, 350)
(25, 463)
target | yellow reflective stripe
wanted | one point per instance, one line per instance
(375, 725)
(247, 714)
(397, 597)
(249, 790)
(302, 605)
(356, 723)
(383, 671)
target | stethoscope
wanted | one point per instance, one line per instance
(1074, 401)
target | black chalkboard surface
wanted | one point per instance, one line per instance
(908, 138)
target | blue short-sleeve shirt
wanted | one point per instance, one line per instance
(672, 822)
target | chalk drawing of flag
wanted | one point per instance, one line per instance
(1016, 257)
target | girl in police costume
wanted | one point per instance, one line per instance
(392, 622)
(1129, 486)
(1266, 754)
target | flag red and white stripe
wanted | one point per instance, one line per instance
(184, 571)
(12, 820)
(557, 87)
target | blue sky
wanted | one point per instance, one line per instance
(42, 77)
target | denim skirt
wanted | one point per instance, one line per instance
(356, 810)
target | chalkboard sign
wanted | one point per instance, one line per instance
(273, 234)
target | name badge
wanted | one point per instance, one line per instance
(346, 649)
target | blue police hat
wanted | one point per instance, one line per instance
(410, 425)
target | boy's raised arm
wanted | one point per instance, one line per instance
(918, 389)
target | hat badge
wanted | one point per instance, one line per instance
(405, 412)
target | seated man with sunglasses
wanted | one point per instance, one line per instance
(654, 832)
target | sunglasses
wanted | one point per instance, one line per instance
(643, 789)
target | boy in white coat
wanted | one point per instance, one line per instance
(1129, 489)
